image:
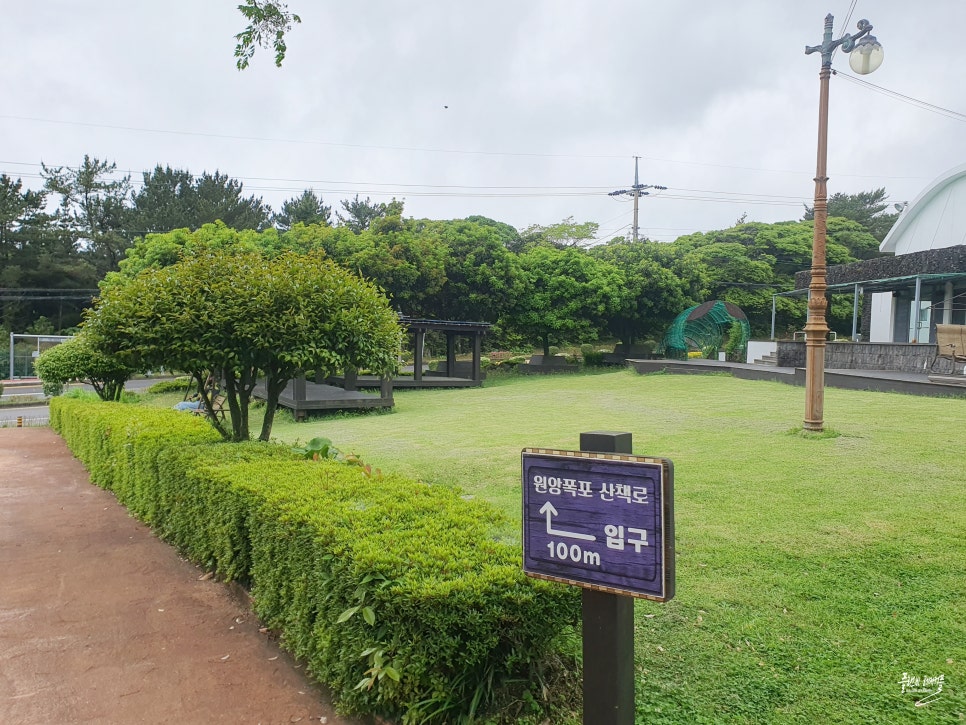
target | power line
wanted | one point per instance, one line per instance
(932, 108)
(14, 294)
(483, 192)
(848, 19)
(395, 186)
(308, 142)
(417, 149)
(132, 173)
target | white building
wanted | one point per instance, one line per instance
(901, 297)
(936, 220)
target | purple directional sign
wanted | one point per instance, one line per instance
(599, 520)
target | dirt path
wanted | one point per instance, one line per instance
(100, 622)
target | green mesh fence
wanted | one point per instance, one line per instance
(703, 326)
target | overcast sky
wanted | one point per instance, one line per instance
(526, 111)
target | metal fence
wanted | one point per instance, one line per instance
(25, 349)
(26, 421)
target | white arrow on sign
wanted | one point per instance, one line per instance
(548, 509)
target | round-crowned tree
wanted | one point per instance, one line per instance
(77, 359)
(245, 318)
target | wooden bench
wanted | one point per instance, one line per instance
(951, 346)
(217, 408)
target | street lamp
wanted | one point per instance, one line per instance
(865, 56)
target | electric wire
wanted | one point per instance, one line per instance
(311, 142)
(484, 192)
(848, 19)
(902, 97)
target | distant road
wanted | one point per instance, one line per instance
(40, 414)
(33, 415)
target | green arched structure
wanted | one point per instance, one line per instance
(704, 325)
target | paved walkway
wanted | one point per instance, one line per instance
(101, 622)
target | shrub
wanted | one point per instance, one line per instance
(511, 362)
(400, 596)
(178, 385)
(52, 388)
(508, 363)
(736, 345)
(77, 359)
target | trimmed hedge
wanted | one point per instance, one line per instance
(399, 596)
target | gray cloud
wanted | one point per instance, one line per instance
(718, 99)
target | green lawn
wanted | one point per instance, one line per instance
(811, 572)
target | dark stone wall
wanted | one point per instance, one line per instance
(900, 357)
(790, 354)
(932, 261)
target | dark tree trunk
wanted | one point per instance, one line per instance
(274, 385)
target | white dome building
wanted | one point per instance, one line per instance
(935, 221)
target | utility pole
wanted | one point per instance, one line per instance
(636, 191)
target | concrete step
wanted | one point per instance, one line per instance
(771, 360)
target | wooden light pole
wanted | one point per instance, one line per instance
(867, 57)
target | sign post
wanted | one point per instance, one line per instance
(602, 519)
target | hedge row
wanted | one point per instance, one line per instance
(398, 595)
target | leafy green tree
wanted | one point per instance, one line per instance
(566, 233)
(868, 208)
(731, 266)
(405, 258)
(268, 22)
(692, 275)
(19, 209)
(565, 295)
(166, 200)
(482, 278)
(220, 199)
(408, 265)
(786, 247)
(176, 199)
(509, 236)
(93, 207)
(305, 209)
(857, 241)
(731, 269)
(41, 326)
(77, 360)
(337, 242)
(651, 294)
(749, 263)
(360, 214)
(736, 274)
(36, 253)
(240, 316)
(163, 250)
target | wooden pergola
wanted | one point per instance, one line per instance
(455, 374)
(343, 392)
